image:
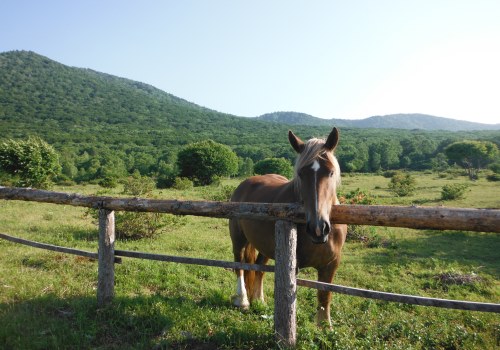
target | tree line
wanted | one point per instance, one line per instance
(33, 162)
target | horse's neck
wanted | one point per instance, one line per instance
(290, 192)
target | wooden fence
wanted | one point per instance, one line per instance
(286, 216)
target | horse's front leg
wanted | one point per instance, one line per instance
(239, 242)
(325, 274)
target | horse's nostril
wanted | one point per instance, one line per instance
(326, 228)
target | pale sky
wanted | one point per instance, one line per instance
(330, 59)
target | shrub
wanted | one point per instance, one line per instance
(389, 173)
(167, 173)
(279, 166)
(132, 225)
(138, 185)
(182, 183)
(204, 161)
(221, 193)
(495, 167)
(453, 191)
(33, 162)
(108, 182)
(137, 225)
(356, 196)
(402, 184)
(493, 177)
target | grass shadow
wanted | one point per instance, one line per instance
(87, 235)
(144, 322)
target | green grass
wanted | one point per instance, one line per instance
(47, 299)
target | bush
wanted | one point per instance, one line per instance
(108, 182)
(220, 194)
(279, 166)
(356, 196)
(203, 162)
(138, 185)
(388, 174)
(495, 167)
(32, 162)
(137, 225)
(453, 191)
(132, 225)
(493, 177)
(402, 184)
(182, 183)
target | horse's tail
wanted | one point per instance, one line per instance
(250, 258)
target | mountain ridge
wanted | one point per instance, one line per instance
(408, 121)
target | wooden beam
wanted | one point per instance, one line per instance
(194, 261)
(437, 218)
(106, 268)
(402, 298)
(285, 284)
(54, 248)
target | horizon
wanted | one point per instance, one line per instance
(324, 59)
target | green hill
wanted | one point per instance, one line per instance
(41, 94)
(103, 125)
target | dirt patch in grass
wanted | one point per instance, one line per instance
(451, 278)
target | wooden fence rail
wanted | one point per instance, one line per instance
(438, 218)
(286, 216)
(364, 293)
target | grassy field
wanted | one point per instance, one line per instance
(47, 299)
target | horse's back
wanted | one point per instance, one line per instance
(268, 188)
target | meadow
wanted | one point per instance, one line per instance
(48, 300)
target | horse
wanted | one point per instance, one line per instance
(319, 242)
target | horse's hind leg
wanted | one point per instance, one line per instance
(239, 243)
(258, 286)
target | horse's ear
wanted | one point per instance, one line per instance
(332, 140)
(297, 143)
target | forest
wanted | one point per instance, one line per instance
(104, 126)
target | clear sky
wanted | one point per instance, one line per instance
(330, 59)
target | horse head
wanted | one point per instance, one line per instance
(317, 175)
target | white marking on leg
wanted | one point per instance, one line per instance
(241, 298)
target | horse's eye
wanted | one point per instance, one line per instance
(332, 173)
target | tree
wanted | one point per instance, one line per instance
(33, 161)
(279, 166)
(205, 161)
(245, 167)
(472, 155)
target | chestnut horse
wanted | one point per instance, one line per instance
(319, 242)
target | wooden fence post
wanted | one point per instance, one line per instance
(106, 268)
(285, 285)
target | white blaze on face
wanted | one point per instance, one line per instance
(315, 167)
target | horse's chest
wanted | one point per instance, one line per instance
(262, 236)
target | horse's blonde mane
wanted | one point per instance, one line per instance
(314, 149)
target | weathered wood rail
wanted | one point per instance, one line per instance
(438, 218)
(286, 217)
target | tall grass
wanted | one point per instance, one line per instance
(47, 299)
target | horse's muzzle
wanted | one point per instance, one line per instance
(318, 231)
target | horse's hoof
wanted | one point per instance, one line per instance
(242, 303)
